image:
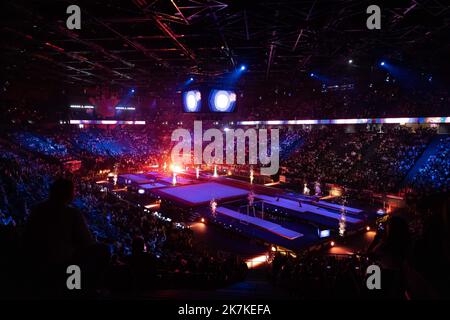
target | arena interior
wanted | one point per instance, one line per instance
(101, 197)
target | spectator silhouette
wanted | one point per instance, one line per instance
(391, 254)
(54, 236)
(142, 265)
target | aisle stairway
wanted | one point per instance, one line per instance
(429, 151)
(193, 216)
(256, 286)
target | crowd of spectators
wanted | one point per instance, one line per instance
(140, 250)
(412, 261)
(314, 276)
(374, 160)
(24, 181)
(394, 154)
(435, 174)
(41, 144)
(97, 148)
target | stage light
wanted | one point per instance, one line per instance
(382, 63)
(332, 243)
(125, 108)
(243, 68)
(141, 191)
(222, 100)
(367, 228)
(324, 233)
(253, 263)
(76, 106)
(176, 168)
(350, 61)
(192, 101)
(133, 90)
(191, 79)
(203, 220)
(311, 75)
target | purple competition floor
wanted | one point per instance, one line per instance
(134, 178)
(180, 180)
(260, 223)
(294, 205)
(196, 194)
(150, 186)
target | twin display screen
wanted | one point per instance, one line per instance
(219, 100)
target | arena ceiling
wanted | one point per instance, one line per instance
(156, 42)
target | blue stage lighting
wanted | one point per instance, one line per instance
(311, 74)
(243, 68)
(192, 101)
(191, 79)
(132, 90)
(222, 100)
(382, 63)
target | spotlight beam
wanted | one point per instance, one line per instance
(301, 31)
(168, 32)
(134, 44)
(269, 61)
(224, 40)
(247, 34)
